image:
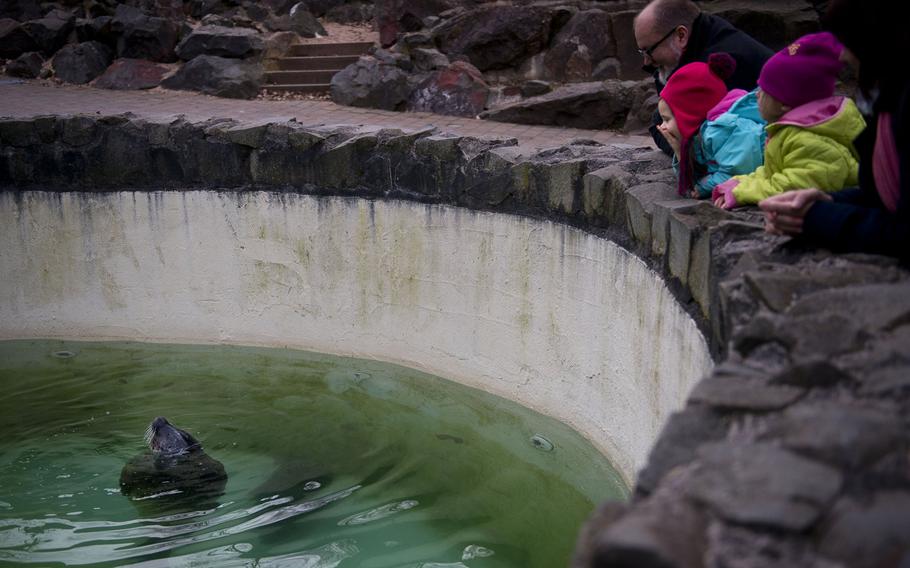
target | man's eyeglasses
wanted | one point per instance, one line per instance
(648, 51)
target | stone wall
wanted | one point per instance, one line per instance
(794, 451)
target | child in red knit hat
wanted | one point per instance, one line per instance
(715, 134)
(810, 131)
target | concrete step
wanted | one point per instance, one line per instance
(316, 62)
(310, 49)
(299, 88)
(299, 77)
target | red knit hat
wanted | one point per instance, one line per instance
(691, 92)
(804, 71)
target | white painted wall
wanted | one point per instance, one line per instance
(549, 316)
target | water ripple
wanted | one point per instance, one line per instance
(53, 539)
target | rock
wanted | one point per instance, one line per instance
(428, 59)
(608, 68)
(257, 11)
(131, 74)
(662, 531)
(580, 105)
(457, 90)
(774, 23)
(605, 515)
(372, 84)
(200, 8)
(278, 7)
(626, 46)
(839, 434)
(812, 374)
(20, 10)
(351, 13)
(892, 379)
(144, 37)
(304, 23)
(872, 307)
(397, 16)
(51, 31)
(730, 393)
(578, 47)
(27, 65)
(96, 29)
(81, 62)
(277, 44)
(496, 36)
(14, 40)
(238, 43)
(684, 432)
(869, 532)
(319, 8)
(219, 76)
(535, 88)
(644, 104)
(761, 485)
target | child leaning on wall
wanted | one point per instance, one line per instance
(715, 134)
(810, 131)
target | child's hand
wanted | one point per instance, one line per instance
(672, 140)
(719, 202)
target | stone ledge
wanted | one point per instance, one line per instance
(793, 452)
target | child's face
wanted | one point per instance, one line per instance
(770, 108)
(668, 127)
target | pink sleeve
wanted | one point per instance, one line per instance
(725, 189)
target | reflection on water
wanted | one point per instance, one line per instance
(330, 462)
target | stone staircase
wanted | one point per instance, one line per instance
(309, 68)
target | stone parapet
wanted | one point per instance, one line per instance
(795, 451)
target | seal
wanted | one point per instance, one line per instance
(173, 471)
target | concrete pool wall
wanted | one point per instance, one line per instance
(559, 320)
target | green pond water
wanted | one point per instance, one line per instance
(330, 461)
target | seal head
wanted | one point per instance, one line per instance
(173, 473)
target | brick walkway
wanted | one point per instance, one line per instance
(30, 98)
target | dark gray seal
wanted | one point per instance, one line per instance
(174, 471)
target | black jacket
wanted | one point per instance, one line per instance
(712, 34)
(857, 220)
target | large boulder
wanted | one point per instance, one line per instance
(580, 45)
(319, 8)
(397, 16)
(457, 90)
(775, 23)
(219, 76)
(96, 29)
(131, 75)
(51, 31)
(81, 62)
(28, 65)
(498, 36)
(14, 40)
(144, 37)
(238, 43)
(373, 84)
(200, 8)
(351, 13)
(598, 105)
(304, 22)
(21, 10)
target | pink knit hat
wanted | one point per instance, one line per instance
(804, 71)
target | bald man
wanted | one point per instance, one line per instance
(672, 33)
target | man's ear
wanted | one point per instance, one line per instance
(683, 33)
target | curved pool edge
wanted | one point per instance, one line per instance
(558, 320)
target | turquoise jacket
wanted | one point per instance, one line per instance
(731, 141)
